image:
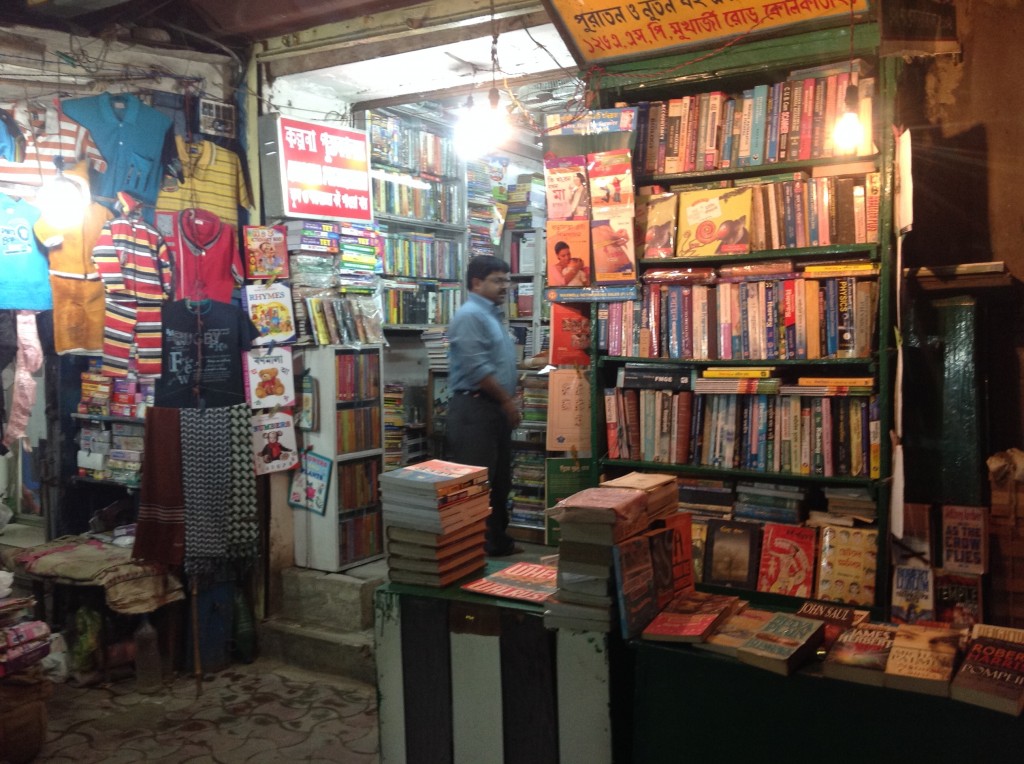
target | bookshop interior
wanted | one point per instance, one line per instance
(763, 295)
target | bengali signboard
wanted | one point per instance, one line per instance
(312, 170)
(607, 30)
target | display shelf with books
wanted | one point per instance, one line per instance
(528, 312)
(760, 348)
(349, 433)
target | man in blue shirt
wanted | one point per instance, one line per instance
(483, 410)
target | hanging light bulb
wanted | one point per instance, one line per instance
(484, 128)
(63, 199)
(849, 132)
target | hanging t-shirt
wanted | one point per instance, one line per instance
(213, 334)
(67, 140)
(24, 271)
(135, 139)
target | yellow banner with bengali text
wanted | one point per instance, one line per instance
(605, 30)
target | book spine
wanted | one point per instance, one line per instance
(713, 134)
(806, 119)
(728, 123)
(759, 125)
(845, 316)
(771, 149)
(831, 323)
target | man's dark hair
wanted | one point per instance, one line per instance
(560, 246)
(482, 266)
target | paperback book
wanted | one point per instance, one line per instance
(528, 581)
(570, 334)
(568, 253)
(860, 654)
(271, 311)
(634, 584)
(732, 556)
(991, 676)
(783, 643)
(735, 630)
(922, 659)
(690, 617)
(565, 188)
(266, 252)
(787, 560)
(274, 447)
(714, 222)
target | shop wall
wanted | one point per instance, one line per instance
(966, 114)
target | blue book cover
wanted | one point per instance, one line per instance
(697, 429)
(674, 319)
(831, 318)
(602, 326)
(744, 320)
(634, 584)
(758, 125)
(728, 120)
(761, 403)
(813, 230)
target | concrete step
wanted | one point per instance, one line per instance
(335, 601)
(314, 648)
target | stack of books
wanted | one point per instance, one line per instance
(591, 522)
(436, 343)
(661, 490)
(434, 516)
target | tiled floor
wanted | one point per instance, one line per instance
(262, 712)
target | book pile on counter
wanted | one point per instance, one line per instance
(434, 516)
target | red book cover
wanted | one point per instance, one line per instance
(787, 560)
(570, 334)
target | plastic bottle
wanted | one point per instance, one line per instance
(148, 668)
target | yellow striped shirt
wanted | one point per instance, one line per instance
(214, 181)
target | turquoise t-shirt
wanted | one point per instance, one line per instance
(24, 269)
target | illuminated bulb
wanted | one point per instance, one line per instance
(62, 202)
(482, 128)
(849, 132)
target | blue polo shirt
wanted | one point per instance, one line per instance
(478, 345)
(133, 138)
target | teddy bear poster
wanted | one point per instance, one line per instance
(269, 378)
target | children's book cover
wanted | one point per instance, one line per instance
(660, 226)
(614, 255)
(610, 174)
(570, 334)
(566, 189)
(270, 308)
(568, 253)
(787, 560)
(714, 221)
(311, 483)
(269, 377)
(274, 448)
(266, 251)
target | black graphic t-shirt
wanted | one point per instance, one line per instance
(213, 334)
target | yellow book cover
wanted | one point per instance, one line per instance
(835, 381)
(714, 221)
(739, 372)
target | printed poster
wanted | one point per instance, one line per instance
(269, 378)
(568, 412)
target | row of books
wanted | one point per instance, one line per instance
(358, 428)
(784, 434)
(396, 142)
(358, 487)
(421, 254)
(768, 123)
(394, 424)
(803, 315)
(428, 200)
(420, 302)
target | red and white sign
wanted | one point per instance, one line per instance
(324, 170)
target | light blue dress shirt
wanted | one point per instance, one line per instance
(479, 344)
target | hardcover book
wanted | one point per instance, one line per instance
(266, 252)
(860, 654)
(269, 377)
(913, 595)
(570, 334)
(714, 222)
(991, 676)
(787, 560)
(732, 557)
(270, 308)
(958, 599)
(847, 565)
(965, 539)
(634, 584)
(783, 643)
(922, 659)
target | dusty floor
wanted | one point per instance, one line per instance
(262, 712)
